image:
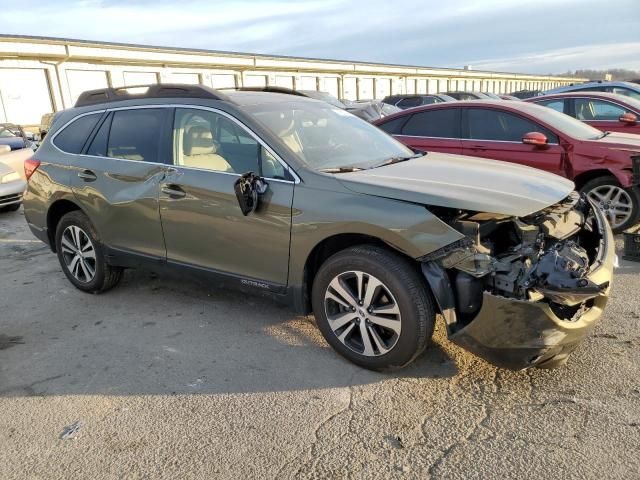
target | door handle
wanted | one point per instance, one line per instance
(174, 191)
(87, 176)
(478, 147)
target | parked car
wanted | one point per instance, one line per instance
(522, 94)
(14, 136)
(605, 111)
(14, 159)
(606, 167)
(508, 97)
(627, 89)
(372, 110)
(375, 241)
(45, 124)
(369, 110)
(494, 96)
(12, 185)
(415, 100)
(467, 95)
(324, 96)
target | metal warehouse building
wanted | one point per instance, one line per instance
(41, 75)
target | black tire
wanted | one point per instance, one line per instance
(10, 208)
(403, 281)
(105, 276)
(633, 192)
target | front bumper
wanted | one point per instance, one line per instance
(11, 193)
(518, 334)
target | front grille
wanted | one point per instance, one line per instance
(635, 165)
(8, 199)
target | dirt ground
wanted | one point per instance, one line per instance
(172, 378)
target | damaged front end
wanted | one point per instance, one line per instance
(523, 292)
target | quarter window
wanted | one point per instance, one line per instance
(72, 138)
(136, 134)
(591, 109)
(441, 123)
(485, 124)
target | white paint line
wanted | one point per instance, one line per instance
(17, 240)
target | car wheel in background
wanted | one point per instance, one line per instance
(373, 307)
(620, 205)
(81, 255)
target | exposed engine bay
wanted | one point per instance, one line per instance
(544, 257)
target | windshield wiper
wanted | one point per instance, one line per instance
(392, 160)
(603, 135)
(340, 169)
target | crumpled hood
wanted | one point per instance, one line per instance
(467, 183)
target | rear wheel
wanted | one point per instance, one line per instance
(621, 206)
(81, 256)
(372, 306)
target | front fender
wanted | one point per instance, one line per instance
(318, 215)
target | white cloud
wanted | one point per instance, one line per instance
(524, 35)
(617, 55)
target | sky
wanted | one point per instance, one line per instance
(528, 36)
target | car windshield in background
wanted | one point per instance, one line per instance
(325, 97)
(4, 133)
(326, 138)
(568, 125)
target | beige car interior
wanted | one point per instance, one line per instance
(200, 151)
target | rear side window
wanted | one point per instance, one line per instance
(592, 109)
(136, 134)
(441, 123)
(557, 105)
(485, 124)
(409, 102)
(73, 137)
(393, 127)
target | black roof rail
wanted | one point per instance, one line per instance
(271, 89)
(158, 90)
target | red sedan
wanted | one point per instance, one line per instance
(605, 111)
(605, 166)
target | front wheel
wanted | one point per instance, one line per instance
(621, 206)
(372, 307)
(81, 256)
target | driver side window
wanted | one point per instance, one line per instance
(210, 141)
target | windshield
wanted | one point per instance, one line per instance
(4, 133)
(325, 137)
(568, 125)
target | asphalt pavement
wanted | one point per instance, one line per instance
(175, 378)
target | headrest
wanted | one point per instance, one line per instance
(198, 140)
(281, 123)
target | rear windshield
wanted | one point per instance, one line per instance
(326, 137)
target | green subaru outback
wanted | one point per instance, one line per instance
(296, 198)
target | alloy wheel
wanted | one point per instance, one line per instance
(362, 313)
(79, 253)
(614, 202)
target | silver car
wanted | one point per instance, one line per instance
(12, 186)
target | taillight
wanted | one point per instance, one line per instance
(30, 166)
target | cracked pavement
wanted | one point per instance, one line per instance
(174, 378)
